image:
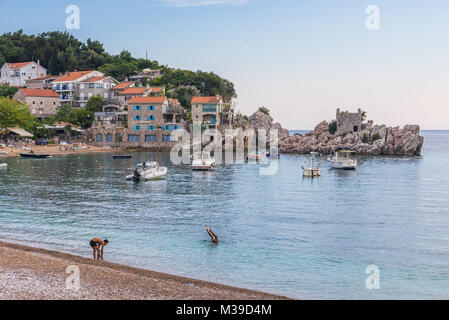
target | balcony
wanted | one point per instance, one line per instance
(63, 88)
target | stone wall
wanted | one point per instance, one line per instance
(349, 122)
(117, 137)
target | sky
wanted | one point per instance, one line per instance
(300, 58)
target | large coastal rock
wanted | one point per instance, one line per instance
(260, 120)
(373, 140)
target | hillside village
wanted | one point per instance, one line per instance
(128, 113)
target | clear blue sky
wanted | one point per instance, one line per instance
(302, 59)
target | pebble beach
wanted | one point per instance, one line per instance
(38, 274)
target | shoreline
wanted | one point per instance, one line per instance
(54, 150)
(35, 273)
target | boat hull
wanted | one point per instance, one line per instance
(122, 157)
(344, 165)
(34, 156)
(311, 173)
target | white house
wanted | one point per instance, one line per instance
(68, 86)
(15, 74)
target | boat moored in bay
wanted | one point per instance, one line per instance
(342, 159)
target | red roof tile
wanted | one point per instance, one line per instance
(18, 65)
(39, 93)
(156, 89)
(72, 76)
(206, 99)
(147, 100)
(123, 85)
(95, 79)
(134, 91)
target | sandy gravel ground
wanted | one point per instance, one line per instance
(50, 149)
(31, 273)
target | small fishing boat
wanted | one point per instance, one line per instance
(122, 156)
(147, 171)
(342, 159)
(256, 157)
(34, 155)
(203, 162)
(310, 170)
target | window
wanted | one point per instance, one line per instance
(99, 137)
(150, 128)
(137, 108)
(108, 137)
(167, 138)
(34, 102)
(81, 85)
(42, 103)
(209, 108)
(136, 127)
(99, 85)
(91, 85)
(196, 117)
(150, 138)
(150, 108)
(106, 95)
(149, 118)
(137, 117)
(133, 138)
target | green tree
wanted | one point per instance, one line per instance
(332, 127)
(363, 116)
(95, 104)
(81, 117)
(14, 114)
(264, 110)
(7, 91)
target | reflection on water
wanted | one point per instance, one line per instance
(283, 233)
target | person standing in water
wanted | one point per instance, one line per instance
(212, 235)
(97, 245)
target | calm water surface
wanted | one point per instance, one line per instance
(282, 234)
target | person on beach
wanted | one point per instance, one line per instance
(212, 235)
(97, 245)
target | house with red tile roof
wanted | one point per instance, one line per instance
(16, 73)
(68, 86)
(41, 83)
(157, 91)
(131, 92)
(207, 111)
(94, 86)
(41, 103)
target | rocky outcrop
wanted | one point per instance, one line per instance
(260, 120)
(373, 140)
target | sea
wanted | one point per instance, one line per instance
(379, 232)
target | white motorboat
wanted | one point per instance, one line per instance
(311, 171)
(203, 162)
(3, 165)
(148, 171)
(342, 160)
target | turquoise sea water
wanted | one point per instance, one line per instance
(282, 234)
